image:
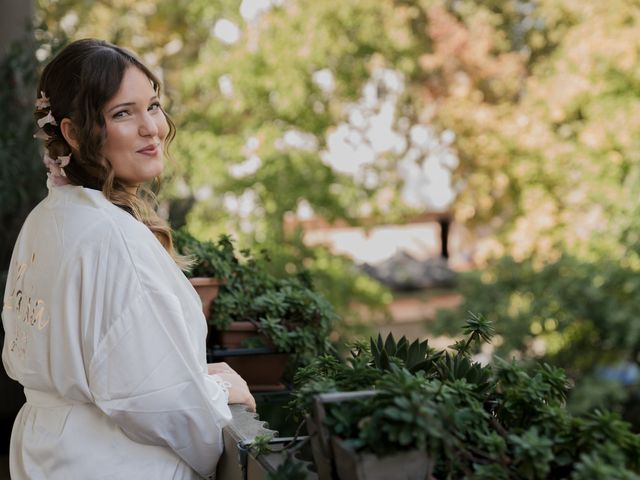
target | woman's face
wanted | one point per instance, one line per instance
(136, 128)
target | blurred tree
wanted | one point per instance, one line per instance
(535, 100)
(559, 166)
(258, 99)
(557, 175)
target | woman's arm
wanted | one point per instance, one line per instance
(145, 376)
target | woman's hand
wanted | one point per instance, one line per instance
(218, 367)
(238, 390)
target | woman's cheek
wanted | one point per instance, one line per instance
(163, 127)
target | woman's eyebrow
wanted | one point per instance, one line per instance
(128, 104)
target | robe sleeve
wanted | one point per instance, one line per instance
(146, 377)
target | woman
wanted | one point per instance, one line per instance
(102, 329)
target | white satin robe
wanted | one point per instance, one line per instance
(107, 337)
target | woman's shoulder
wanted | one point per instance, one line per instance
(73, 221)
(75, 218)
(78, 224)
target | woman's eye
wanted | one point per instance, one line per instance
(155, 106)
(120, 114)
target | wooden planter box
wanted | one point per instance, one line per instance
(352, 465)
(262, 368)
(335, 459)
(322, 457)
(235, 335)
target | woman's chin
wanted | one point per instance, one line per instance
(154, 170)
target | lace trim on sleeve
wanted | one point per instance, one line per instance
(223, 384)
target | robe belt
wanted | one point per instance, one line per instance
(38, 398)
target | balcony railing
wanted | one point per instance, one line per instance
(237, 462)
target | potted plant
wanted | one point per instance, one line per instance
(260, 322)
(283, 315)
(247, 278)
(209, 266)
(446, 416)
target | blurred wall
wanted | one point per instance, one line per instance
(15, 17)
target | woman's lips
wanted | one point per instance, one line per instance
(150, 150)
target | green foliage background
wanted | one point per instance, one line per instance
(581, 316)
(542, 97)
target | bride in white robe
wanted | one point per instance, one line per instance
(107, 336)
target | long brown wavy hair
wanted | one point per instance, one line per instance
(79, 82)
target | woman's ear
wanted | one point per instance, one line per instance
(69, 133)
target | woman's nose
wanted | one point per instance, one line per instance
(148, 126)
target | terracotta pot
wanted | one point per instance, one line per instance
(207, 289)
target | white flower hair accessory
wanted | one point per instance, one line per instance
(41, 134)
(48, 119)
(56, 176)
(42, 101)
(43, 105)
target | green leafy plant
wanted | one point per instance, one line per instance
(415, 356)
(327, 373)
(209, 259)
(505, 420)
(287, 310)
(295, 317)
(261, 444)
